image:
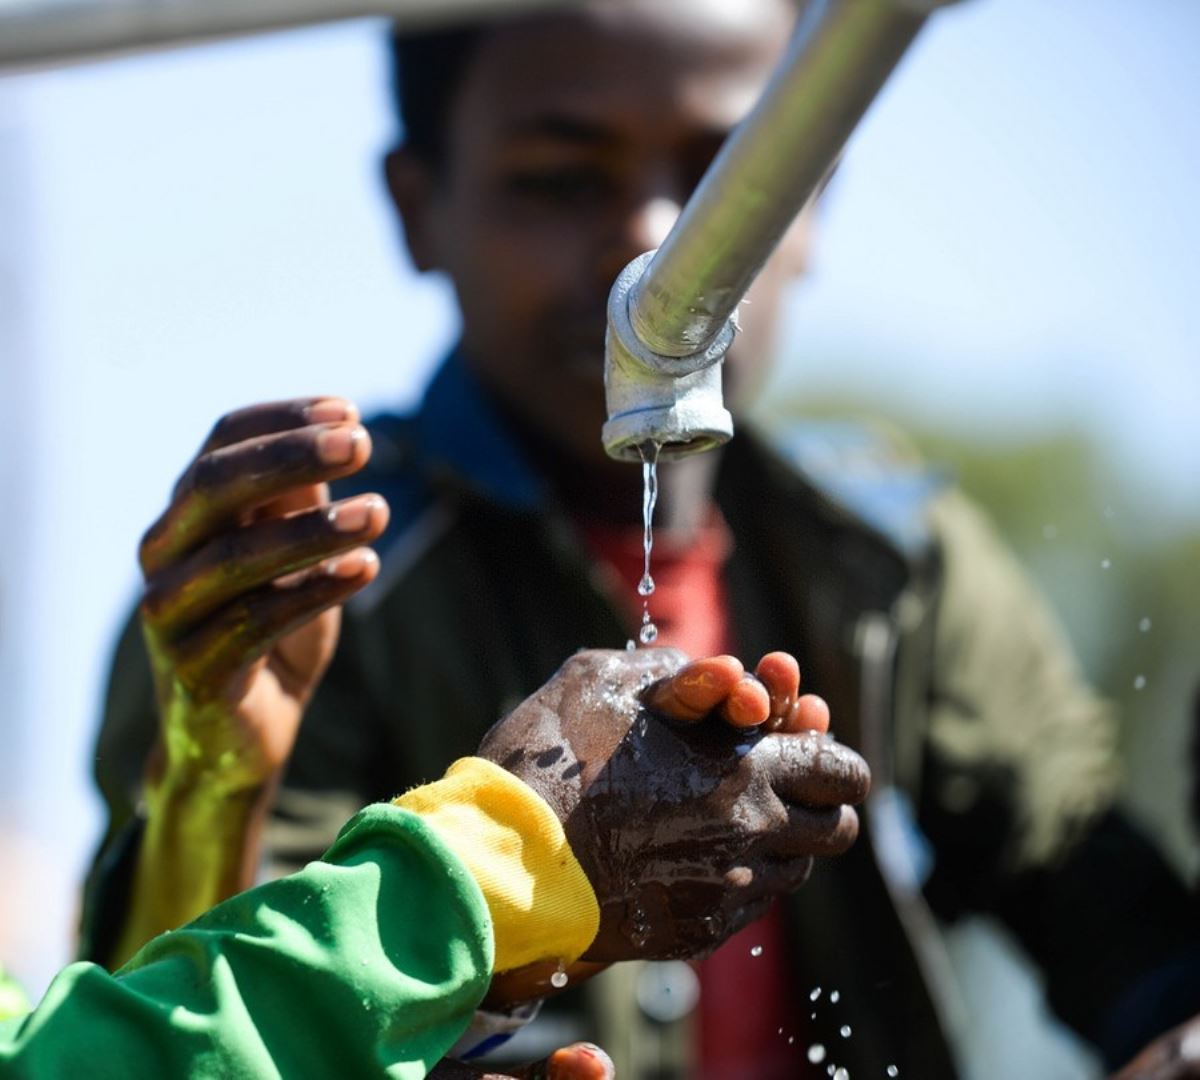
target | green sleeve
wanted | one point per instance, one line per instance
(370, 961)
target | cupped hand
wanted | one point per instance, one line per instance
(244, 574)
(691, 794)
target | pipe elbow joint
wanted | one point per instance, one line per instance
(675, 402)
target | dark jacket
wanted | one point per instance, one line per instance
(994, 765)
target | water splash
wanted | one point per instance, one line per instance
(648, 633)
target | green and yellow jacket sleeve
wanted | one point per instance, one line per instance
(369, 962)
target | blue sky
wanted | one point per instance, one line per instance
(1010, 246)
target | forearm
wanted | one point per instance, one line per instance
(369, 961)
(200, 846)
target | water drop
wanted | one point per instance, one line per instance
(831, 1069)
(639, 929)
(835, 996)
(781, 1031)
(1109, 513)
(756, 951)
(1144, 625)
(816, 993)
(893, 1071)
(630, 645)
(1049, 532)
(816, 1053)
(1140, 682)
(841, 1074)
(1106, 564)
(559, 979)
(791, 1039)
(649, 452)
(844, 1031)
(812, 1016)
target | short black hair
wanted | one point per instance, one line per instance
(427, 70)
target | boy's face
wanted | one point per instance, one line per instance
(574, 141)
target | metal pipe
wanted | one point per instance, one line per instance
(674, 315)
(40, 32)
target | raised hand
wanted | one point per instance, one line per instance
(244, 572)
(686, 826)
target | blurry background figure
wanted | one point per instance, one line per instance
(1005, 267)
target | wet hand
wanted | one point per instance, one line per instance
(244, 574)
(690, 793)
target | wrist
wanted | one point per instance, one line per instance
(542, 906)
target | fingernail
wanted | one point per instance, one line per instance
(330, 411)
(335, 446)
(353, 516)
(352, 564)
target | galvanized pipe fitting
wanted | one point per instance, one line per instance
(671, 312)
(674, 402)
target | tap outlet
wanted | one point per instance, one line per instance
(675, 402)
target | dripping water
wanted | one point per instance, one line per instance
(649, 452)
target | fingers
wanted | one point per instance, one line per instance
(720, 684)
(246, 558)
(816, 832)
(580, 1061)
(747, 705)
(242, 631)
(225, 483)
(264, 419)
(808, 713)
(696, 689)
(780, 674)
(814, 771)
(716, 683)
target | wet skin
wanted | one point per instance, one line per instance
(685, 825)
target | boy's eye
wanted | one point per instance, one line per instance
(561, 186)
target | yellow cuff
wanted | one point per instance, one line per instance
(540, 900)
